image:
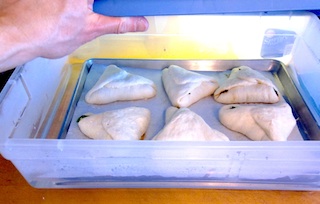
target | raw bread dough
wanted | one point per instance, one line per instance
(246, 85)
(185, 125)
(122, 124)
(259, 121)
(185, 87)
(116, 84)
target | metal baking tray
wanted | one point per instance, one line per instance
(306, 128)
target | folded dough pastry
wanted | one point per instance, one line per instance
(185, 87)
(116, 84)
(246, 85)
(122, 124)
(184, 125)
(260, 121)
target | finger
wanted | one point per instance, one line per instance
(107, 25)
(90, 4)
(133, 24)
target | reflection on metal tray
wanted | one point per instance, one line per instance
(276, 71)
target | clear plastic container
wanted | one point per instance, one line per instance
(36, 99)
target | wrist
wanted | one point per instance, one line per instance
(13, 50)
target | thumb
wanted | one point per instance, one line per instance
(132, 24)
(109, 25)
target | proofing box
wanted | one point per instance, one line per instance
(37, 104)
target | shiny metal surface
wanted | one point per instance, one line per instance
(199, 65)
(307, 125)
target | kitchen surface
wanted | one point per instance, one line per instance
(48, 167)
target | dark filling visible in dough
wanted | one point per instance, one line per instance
(276, 92)
(83, 116)
(225, 91)
(232, 107)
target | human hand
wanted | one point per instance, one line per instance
(52, 29)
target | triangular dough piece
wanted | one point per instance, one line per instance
(185, 87)
(259, 122)
(122, 124)
(116, 84)
(185, 125)
(246, 85)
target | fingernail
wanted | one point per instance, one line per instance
(142, 24)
